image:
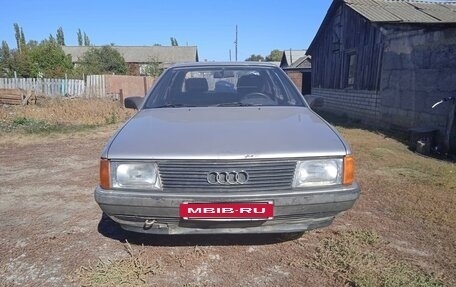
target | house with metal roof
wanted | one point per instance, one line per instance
(385, 62)
(291, 56)
(300, 72)
(137, 57)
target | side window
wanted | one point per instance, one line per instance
(351, 69)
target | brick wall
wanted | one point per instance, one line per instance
(360, 105)
(130, 85)
(296, 77)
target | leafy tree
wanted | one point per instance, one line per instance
(174, 42)
(51, 38)
(32, 44)
(60, 37)
(152, 68)
(17, 35)
(255, 58)
(80, 41)
(5, 59)
(22, 38)
(49, 60)
(86, 40)
(103, 60)
(274, 56)
(21, 64)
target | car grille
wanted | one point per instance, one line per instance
(263, 175)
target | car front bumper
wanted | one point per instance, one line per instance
(158, 212)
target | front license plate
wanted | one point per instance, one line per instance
(227, 211)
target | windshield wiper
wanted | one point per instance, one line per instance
(235, 104)
(174, 106)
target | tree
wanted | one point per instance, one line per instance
(255, 58)
(22, 38)
(5, 59)
(51, 38)
(174, 42)
(60, 37)
(21, 64)
(17, 35)
(86, 40)
(102, 61)
(274, 56)
(80, 41)
(152, 68)
(49, 60)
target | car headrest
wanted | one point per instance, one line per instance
(250, 83)
(196, 85)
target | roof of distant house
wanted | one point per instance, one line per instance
(290, 56)
(405, 11)
(143, 54)
(301, 63)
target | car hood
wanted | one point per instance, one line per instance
(225, 133)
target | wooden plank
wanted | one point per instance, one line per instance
(12, 97)
(27, 98)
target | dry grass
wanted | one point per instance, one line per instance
(414, 186)
(358, 258)
(134, 270)
(60, 115)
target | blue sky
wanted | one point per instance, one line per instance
(210, 25)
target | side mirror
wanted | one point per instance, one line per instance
(133, 102)
(316, 102)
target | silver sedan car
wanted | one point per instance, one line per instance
(225, 148)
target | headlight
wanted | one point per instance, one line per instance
(135, 175)
(319, 172)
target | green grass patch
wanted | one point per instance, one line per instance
(134, 270)
(32, 126)
(357, 258)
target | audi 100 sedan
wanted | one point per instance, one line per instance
(225, 148)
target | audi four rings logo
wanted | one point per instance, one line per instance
(227, 177)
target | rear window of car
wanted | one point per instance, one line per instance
(223, 86)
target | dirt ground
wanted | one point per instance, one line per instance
(53, 233)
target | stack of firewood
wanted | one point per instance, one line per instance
(17, 97)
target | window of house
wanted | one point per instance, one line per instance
(351, 71)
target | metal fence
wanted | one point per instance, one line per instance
(94, 86)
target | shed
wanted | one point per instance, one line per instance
(386, 62)
(291, 56)
(300, 73)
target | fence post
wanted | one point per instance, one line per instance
(121, 98)
(145, 85)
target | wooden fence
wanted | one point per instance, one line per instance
(95, 86)
(48, 87)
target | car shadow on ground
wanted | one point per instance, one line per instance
(110, 229)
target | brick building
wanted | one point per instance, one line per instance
(386, 62)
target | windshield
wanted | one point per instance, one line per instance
(223, 86)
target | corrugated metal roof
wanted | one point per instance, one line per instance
(291, 57)
(405, 11)
(143, 54)
(303, 62)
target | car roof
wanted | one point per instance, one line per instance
(224, 64)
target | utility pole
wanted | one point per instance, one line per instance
(230, 55)
(236, 45)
